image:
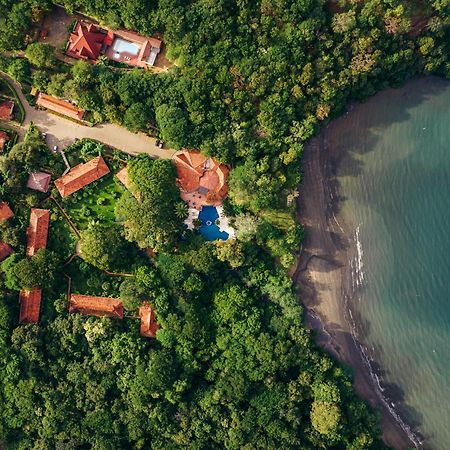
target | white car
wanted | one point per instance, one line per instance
(55, 148)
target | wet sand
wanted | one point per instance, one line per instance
(324, 280)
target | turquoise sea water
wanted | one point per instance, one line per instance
(394, 179)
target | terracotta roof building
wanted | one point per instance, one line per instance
(81, 175)
(37, 231)
(86, 41)
(96, 306)
(39, 181)
(5, 251)
(149, 326)
(133, 49)
(122, 176)
(4, 138)
(59, 106)
(30, 305)
(6, 109)
(202, 180)
(5, 212)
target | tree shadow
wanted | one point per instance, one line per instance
(366, 121)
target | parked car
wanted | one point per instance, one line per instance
(55, 148)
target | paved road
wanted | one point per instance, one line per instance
(63, 132)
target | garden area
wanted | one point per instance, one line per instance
(94, 203)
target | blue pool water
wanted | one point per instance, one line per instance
(209, 230)
(123, 46)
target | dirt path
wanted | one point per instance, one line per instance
(63, 132)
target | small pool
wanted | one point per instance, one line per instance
(123, 46)
(209, 230)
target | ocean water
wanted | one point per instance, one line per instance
(392, 159)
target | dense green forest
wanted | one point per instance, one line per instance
(232, 367)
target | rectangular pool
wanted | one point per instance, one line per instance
(123, 46)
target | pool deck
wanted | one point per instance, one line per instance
(192, 215)
(123, 57)
(144, 44)
(224, 223)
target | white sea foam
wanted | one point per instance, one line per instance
(377, 379)
(359, 272)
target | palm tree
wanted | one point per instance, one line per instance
(181, 210)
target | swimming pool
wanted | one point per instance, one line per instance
(123, 46)
(209, 230)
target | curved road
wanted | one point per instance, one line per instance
(63, 132)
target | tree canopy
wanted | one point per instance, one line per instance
(233, 365)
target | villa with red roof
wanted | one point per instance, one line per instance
(59, 106)
(82, 175)
(202, 180)
(30, 305)
(96, 306)
(149, 326)
(88, 42)
(37, 231)
(5, 212)
(133, 49)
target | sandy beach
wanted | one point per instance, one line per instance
(324, 280)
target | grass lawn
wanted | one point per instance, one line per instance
(95, 202)
(61, 238)
(281, 219)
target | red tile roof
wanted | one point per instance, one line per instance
(109, 38)
(201, 177)
(81, 176)
(96, 306)
(30, 305)
(4, 138)
(86, 41)
(148, 49)
(5, 250)
(122, 176)
(149, 326)
(6, 109)
(5, 212)
(39, 181)
(37, 231)
(59, 106)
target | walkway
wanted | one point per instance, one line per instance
(64, 132)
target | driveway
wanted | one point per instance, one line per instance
(63, 132)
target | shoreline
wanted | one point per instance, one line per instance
(328, 276)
